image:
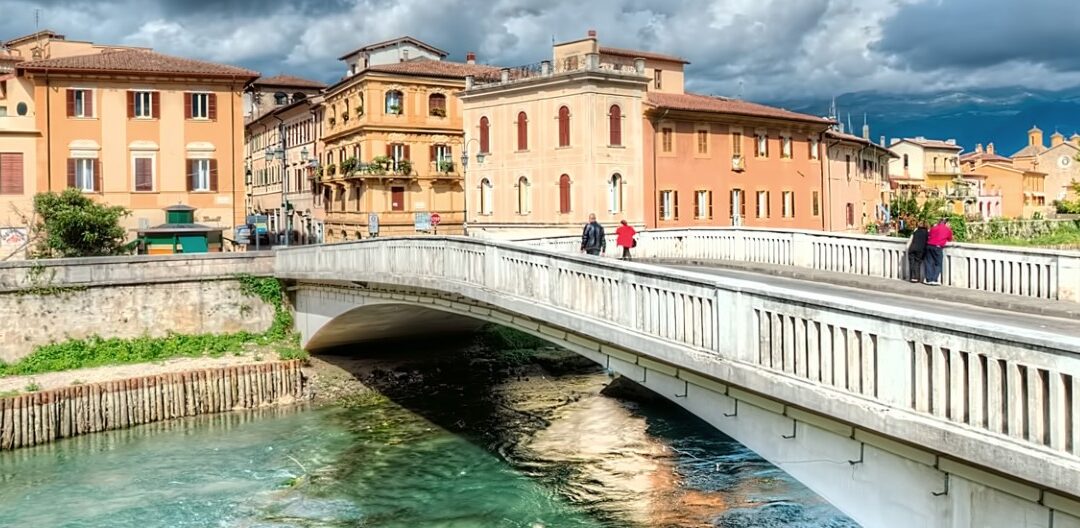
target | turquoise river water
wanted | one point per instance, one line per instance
(530, 451)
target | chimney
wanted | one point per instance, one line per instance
(990, 148)
(470, 58)
(1057, 139)
(866, 131)
(978, 148)
(592, 33)
(883, 141)
(950, 141)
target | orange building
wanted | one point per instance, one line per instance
(136, 128)
(856, 181)
(1022, 192)
(715, 161)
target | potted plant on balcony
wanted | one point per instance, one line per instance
(331, 169)
(438, 112)
(446, 166)
(404, 167)
(349, 166)
(382, 164)
(394, 109)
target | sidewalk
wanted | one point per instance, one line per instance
(998, 301)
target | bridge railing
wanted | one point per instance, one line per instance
(1001, 396)
(1039, 273)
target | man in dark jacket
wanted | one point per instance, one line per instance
(593, 241)
(917, 252)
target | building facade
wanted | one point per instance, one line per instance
(391, 137)
(282, 187)
(267, 94)
(923, 163)
(560, 140)
(401, 49)
(1059, 162)
(856, 187)
(141, 130)
(19, 138)
(1019, 193)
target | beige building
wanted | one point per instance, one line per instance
(267, 94)
(129, 127)
(19, 136)
(921, 163)
(1058, 161)
(560, 140)
(391, 135)
(856, 181)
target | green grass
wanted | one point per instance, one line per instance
(1064, 236)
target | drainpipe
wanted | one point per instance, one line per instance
(656, 189)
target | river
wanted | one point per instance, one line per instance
(433, 448)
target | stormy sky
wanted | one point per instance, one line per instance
(759, 49)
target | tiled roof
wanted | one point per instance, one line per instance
(642, 54)
(723, 105)
(933, 143)
(1030, 151)
(434, 68)
(835, 134)
(137, 62)
(43, 34)
(289, 80)
(416, 42)
(983, 157)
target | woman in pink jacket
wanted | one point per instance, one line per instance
(624, 238)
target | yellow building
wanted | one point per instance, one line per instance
(1060, 162)
(391, 138)
(561, 139)
(19, 136)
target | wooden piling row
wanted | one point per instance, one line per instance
(41, 417)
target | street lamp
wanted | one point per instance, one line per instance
(464, 175)
(278, 153)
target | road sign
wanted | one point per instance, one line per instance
(435, 219)
(373, 224)
(423, 221)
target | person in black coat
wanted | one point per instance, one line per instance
(917, 252)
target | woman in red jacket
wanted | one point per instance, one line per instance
(624, 238)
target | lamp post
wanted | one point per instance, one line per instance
(279, 154)
(464, 175)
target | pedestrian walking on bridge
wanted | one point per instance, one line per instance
(593, 240)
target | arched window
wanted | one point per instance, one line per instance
(486, 196)
(615, 193)
(522, 131)
(395, 103)
(437, 105)
(523, 195)
(564, 193)
(299, 96)
(615, 125)
(564, 126)
(485, 136)
(281, 98)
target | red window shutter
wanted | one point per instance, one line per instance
(190, 175)
(213, 175)
(768, 205)
(431, 153)
(155, 105)
(98, 176)
(660, 201)
(11, 173)
(675, 199)
(406, 153)
(71, 172)
(522, 131)
(564, 126)
(742, 204)
(710, 205)
(615, 117)
(88, 103)
(131, 104)
(390, 150)
(144, 174)
(211, 106)
(564, 194)
(485, 141)
(697, 204)
(70, 103)
(188, 99)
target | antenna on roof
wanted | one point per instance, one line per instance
(739, 94)
(849, 122)
(37, 20)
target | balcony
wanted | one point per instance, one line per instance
(582, 62)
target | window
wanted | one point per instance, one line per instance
(397, 198)
(564, 193)
(202, 174)
(847, 166)
(81, 174)
(615, 194)
(200, 106)
(80, 103)
(11, 173)
(788, 204)
(905, 161)
(669, 205)
(615, 126)
(564, 126)
(443, 158)
(813, 148)
(281, 98)
(143, 167)
(437, 105)
(485, 135)
(666, 139)
(703, 205)
(486, 196)
(762, 146)
(738, 205)
(523, 195)
(522, 131)
(850, 210)
(141, 105)
(736, 144)
(397, 152)
(394, 103)
(656, 79)
(703, 141)
(763, 204)
(816, 205)
(785, 147)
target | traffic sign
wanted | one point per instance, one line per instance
(373, 224)
(435, 219)
(422, 222)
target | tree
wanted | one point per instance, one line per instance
(72, 225)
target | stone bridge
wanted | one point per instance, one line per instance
(900, 410)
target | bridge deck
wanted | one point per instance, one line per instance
(1058, 317)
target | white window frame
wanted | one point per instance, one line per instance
(524, 196)
(788, 205)
(200, 105)
(144, 104)
(615, 193)
(80, 101)
(487, 194)
(443, 153)
(400, 100)
(152, 156)
(84, 174)
(762, 147)
(202, 175)
(667, 200)
(785, 147)
(814, 148)
(397, 154)
(762, 204)
(702, 211)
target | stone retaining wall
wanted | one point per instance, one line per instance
(41, 417)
